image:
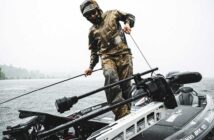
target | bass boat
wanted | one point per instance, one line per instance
(163, 108)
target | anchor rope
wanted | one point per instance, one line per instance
(140, 51)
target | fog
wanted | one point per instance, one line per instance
(52, 35)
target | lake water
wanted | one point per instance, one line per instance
(44, 100)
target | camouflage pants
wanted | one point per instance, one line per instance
(114, 69)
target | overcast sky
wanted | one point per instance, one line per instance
(52, 35)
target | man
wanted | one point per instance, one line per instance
(107, 41)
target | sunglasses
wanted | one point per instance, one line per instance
(89, 14)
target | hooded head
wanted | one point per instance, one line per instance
(91, 10)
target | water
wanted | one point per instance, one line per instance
(43, 101)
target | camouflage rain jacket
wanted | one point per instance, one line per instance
(107, 39)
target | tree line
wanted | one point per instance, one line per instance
(11, 72)
(2, 75)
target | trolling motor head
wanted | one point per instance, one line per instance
(177, 79)
(184, 77)
(64, 104)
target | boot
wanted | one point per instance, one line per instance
(121, 112)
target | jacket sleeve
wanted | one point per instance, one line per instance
(94, 58)
(126, 18)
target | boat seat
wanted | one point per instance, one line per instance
(187, 96)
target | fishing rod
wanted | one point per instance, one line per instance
(64, 104)
(140, 51)
(46, 87)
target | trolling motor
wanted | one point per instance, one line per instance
(155, 87)
(64, 104)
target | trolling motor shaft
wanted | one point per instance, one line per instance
(65, 103)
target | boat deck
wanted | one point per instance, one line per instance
(174, 120)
